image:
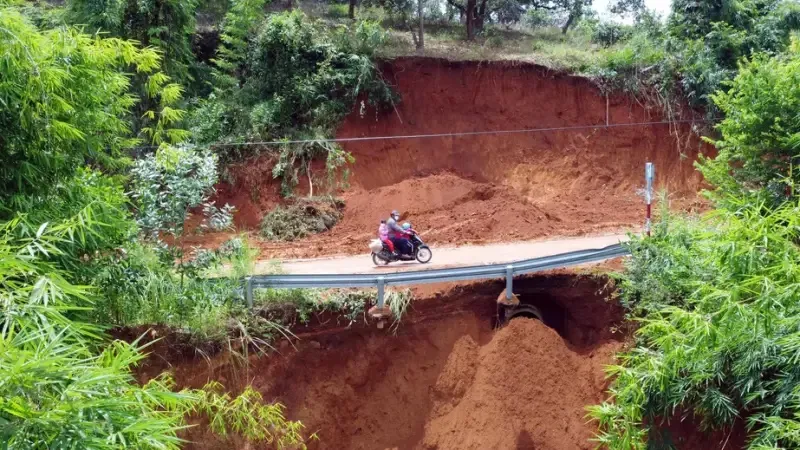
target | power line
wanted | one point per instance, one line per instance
(439, 135)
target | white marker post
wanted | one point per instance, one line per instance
(649, 176)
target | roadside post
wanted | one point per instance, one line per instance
(649, 176)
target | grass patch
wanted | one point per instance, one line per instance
(302, 218)
(292, 306)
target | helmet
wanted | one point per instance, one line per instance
(395, 213)
(406, 225)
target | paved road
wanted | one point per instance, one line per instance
(445, 257)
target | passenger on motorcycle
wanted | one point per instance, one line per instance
(383, 235)
(399, 236)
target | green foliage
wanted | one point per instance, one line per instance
(168, 184)
(57, 391)
(240, 22)
(43, 14)
(537, 18)
(65, 102)
(760, 135)
(610, 33)
(292, 79)
(718, 308)
(246, 415)
(338, 11)
(299, 305)
(301, 218)
(165, 24)
(698, 51)
(627, 6)
(138, 287)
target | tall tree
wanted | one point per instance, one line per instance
(627, 7)
(477, 12)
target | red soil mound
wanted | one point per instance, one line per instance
(485, 396)
(490, 187)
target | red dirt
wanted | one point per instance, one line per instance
(524, 389)
(448, 380)
(489, 188)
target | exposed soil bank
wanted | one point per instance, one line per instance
(447, 380)
(489, 188)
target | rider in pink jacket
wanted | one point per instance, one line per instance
(383, 235)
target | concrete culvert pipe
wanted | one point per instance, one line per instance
(524, 310)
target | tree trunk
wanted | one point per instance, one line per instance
(421, 42)
(351, 13)
(566, 26)
(470, 13)
(574, 14)
(480, 16)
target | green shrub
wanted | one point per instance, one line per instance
(537, 18)
(338, 11)
(63, 386)
(301, 218)
(67, 103)
(288, 306)
(718, 309)
(609, 33)
(760, 134)
(291, 78)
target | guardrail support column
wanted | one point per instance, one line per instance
(381, 283)
(248, 291)
(649, 176)
(509, 282)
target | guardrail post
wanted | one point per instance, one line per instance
(509, 281)
(649, 176)
(248, 291)
(381, 282)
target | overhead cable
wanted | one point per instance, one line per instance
(437, 135)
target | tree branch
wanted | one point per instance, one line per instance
(456, 5)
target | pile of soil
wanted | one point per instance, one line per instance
(488, 188)
(523, 390)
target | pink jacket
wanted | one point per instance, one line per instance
(383, 232)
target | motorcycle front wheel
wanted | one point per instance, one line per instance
(378, 261)
(424, 254)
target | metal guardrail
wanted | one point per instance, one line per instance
(380, 281)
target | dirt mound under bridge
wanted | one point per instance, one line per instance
(496, 187)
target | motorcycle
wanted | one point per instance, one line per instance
(382, 256)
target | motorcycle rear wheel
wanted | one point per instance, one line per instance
(378, 261)
(424, 254)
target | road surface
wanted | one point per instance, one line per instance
(443, 257)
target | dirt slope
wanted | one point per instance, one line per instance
(447, 380)
(368, 389)
(488, 188)
(485, 396)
